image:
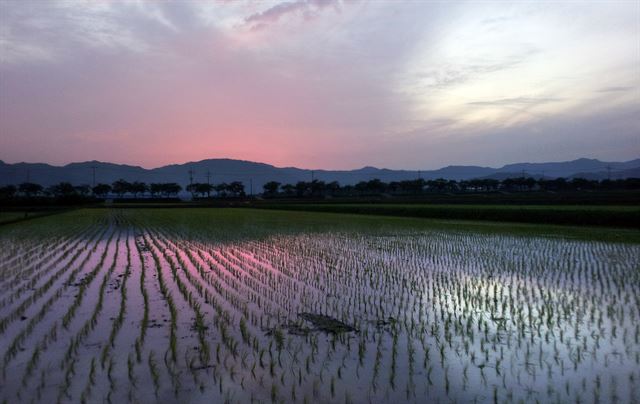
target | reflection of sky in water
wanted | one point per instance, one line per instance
(441, 314)
(575, 291)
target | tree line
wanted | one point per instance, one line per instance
(316, 188)
(374, 187)
(121, 189)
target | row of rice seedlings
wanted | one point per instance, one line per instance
(18, 252)
(31, 263)
(446, 324)
(119, 320)
(83, 332)
(12, 350)
(84, 285)
(91, 381)
(189, 298)
(44, 288)
(171, 356)
(228, 340)
(22, 267)
(144, 324)
(423, 303)
(54, 259)
(90, 324)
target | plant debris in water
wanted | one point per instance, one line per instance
(326, 324)
(320, 323)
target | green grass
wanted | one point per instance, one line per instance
(10, 216)
(13, 216)
(261, 223)
(607, 216)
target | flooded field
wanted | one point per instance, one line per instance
(227, 305)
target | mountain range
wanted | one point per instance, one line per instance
(254, 175)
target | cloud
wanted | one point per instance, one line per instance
(615, 89)
(380, 83)
(454, 75)
(305, 8)
(517, 101)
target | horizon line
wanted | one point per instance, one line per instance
(313, 169)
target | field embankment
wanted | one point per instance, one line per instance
(609, 216)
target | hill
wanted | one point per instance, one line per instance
(254, 174)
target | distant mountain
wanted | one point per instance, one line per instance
(256, 174)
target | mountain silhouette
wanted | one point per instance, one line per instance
(254, 174)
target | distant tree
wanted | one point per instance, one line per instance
(362, 187)
(375, 186)
(583, 183)
(155, 189)
(121, 187)
(138, 188)
(101, 190)
(301, 188)
(206, 189)
(629, 183)
(529, 183)
(63, 189)
(333, 187)
(30, 189)
(171, 189)
(236, 188)
(191, 188)
(490, 184)
(271, 188)
(8, 191)
(317, 187)
(394, 187)
(288, 189)
(221, 189)
(82, 190)
(200, 188)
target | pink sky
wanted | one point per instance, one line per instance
(319, 84)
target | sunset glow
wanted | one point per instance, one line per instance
(326, 84)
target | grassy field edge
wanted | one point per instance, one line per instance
(605, 216)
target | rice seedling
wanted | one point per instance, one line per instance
(248, 306)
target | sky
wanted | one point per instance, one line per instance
(319, 84)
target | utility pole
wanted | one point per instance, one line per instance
(93, 169)
(191, 172)
(208, 177)
(312, 175)
(251, 186)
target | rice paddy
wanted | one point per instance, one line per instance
(241, 305)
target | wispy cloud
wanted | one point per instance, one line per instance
(517, 101)
(307, 9)
(615, 89)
